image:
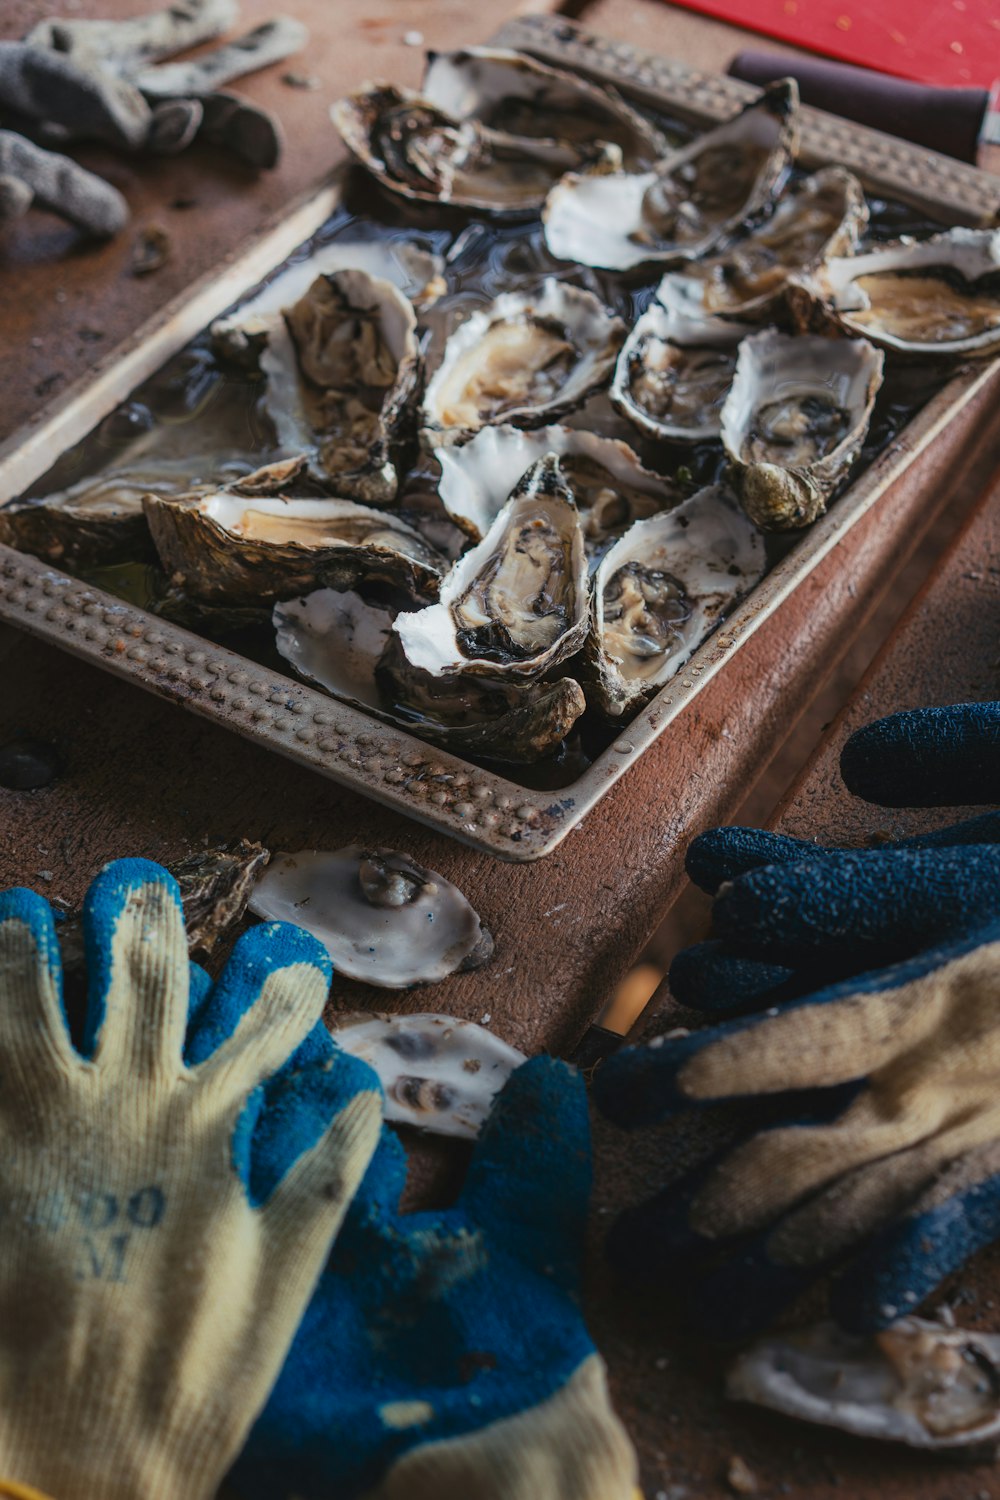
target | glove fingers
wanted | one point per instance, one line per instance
(927, 757)
(712, 976)
(529, 1178)
(32, 1019)
(722, 854)
(269, 997)
(982, 830)
(138, 972)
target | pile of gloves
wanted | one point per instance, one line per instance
(74, 81)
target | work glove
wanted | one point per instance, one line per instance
(164, 1217)
(443, 1355)
(882, 1143)
(29, 175)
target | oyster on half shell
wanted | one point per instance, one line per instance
(515, 605)
(689, 202)
(674, 374)
(661, 589)
(917, 1382)
(525, 359)
(794, 422)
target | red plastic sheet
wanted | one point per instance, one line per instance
(935, 41)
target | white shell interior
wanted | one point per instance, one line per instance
(335, 638)
(438, 1073)
(695, 348)
(311, 523)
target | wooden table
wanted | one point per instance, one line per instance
(141, 778)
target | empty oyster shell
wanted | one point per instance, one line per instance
(382, 918)
(688, 203)
(343, 377)
(938, 297)
(610, 486)
(227, 548)
(241, 336)
(346, 645)
(823, 217)
(659, 592)
(673, 375)
(438, 1073)
(917, 1382)
(794, 421)
(524, 359)
(515, 604)
(514, 94)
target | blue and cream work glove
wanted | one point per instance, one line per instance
(444, 1355)
(166, 1204)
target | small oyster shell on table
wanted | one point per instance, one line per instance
(438, 1073)
(794, 422)
(674, 374)
(660, 590)
(525, 359)
(824, 216)
(917, 1382)
(515, 605)
(382, 918)
(938, 298)
(688, 203)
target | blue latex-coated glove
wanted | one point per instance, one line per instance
(153, 1215)
(880, 1156)
(444, 1354)
(927, 757)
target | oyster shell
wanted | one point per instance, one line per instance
(343, 377)
(382, 918)
(660, 590)
(918, 1382)
(824, 216)
(241, 336)
(693, 199)
(610, 486)
(438, 1073)
(517, 96)
(673, 375)
(939, 297)
(346, 645)
(794, 422)
(515, 604)
(228, 548)
(525, 359)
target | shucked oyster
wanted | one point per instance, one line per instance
(823, 217)
(343, 376)
(228, 548)
(526, 359)
(918, 1382)
(938, 297)
(516, 604)
(794, 422)
(673, 374)
(346, 645)
(512, 93)
(688, 203)
(610, 486)
(661, 589)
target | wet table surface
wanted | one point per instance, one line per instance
(139, 777)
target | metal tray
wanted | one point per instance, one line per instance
(479, 807)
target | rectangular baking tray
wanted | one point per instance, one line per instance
(484, 809)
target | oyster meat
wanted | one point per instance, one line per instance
(382, 918)
(227, 548)
(525, 359)
(794, 422)
(917, 1382)
(689, 202)
(343, 378)
(438, 1073)
(823, 217)
(674, 374)
(610, 486)
(659, 592)
(515, 604)
(939, 297)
